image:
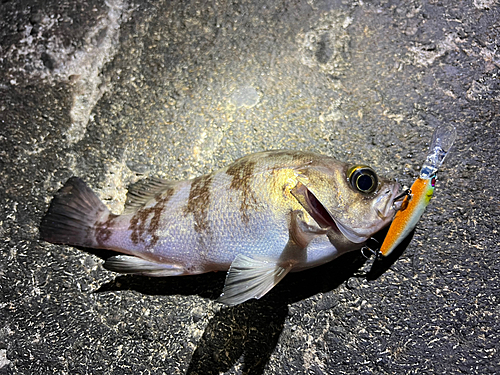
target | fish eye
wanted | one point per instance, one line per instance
(363, 179)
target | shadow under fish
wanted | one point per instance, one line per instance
(247, 332)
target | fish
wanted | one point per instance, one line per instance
(262, 216)
(419, 195)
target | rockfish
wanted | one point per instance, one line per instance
(259, 218)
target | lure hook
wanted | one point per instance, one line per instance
(375, 252)
(403, 194)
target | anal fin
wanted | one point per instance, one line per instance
(249, 278)
(135, 265)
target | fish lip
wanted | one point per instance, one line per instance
(396, 206)
(392, 205)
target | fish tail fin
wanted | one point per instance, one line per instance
(72, 215)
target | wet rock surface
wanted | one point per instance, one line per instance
(117, 91)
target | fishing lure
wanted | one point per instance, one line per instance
(418, 196)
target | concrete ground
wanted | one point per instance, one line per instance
(114, 91)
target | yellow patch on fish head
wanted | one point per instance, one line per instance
(283, 180)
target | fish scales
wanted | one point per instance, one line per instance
(260, 217)
(187, 220)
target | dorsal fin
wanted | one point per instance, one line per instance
(142, 191)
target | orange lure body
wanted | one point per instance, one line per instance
(408, 216)
(414, 204)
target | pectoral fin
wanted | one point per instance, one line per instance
(250, 278)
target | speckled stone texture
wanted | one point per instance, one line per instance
(115, 91)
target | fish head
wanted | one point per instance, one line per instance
(349, 199)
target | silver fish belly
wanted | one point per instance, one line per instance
(259, 218)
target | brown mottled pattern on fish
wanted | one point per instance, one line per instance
(199, 201)
(139, 221)
(242, 172)
(104, 230)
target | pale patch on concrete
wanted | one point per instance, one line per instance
(81, 67)
(209, 135)
(333, 114)
(87, 65)
(425, 55)
(484, 4)
(397, 117)
(118, 177)
(245, 97)
(30, 50)
(4, 361)
(326, 45)
(310, 350)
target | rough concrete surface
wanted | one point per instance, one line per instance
(115, 91)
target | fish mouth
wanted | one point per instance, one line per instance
(321, 215)
(314, 207)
